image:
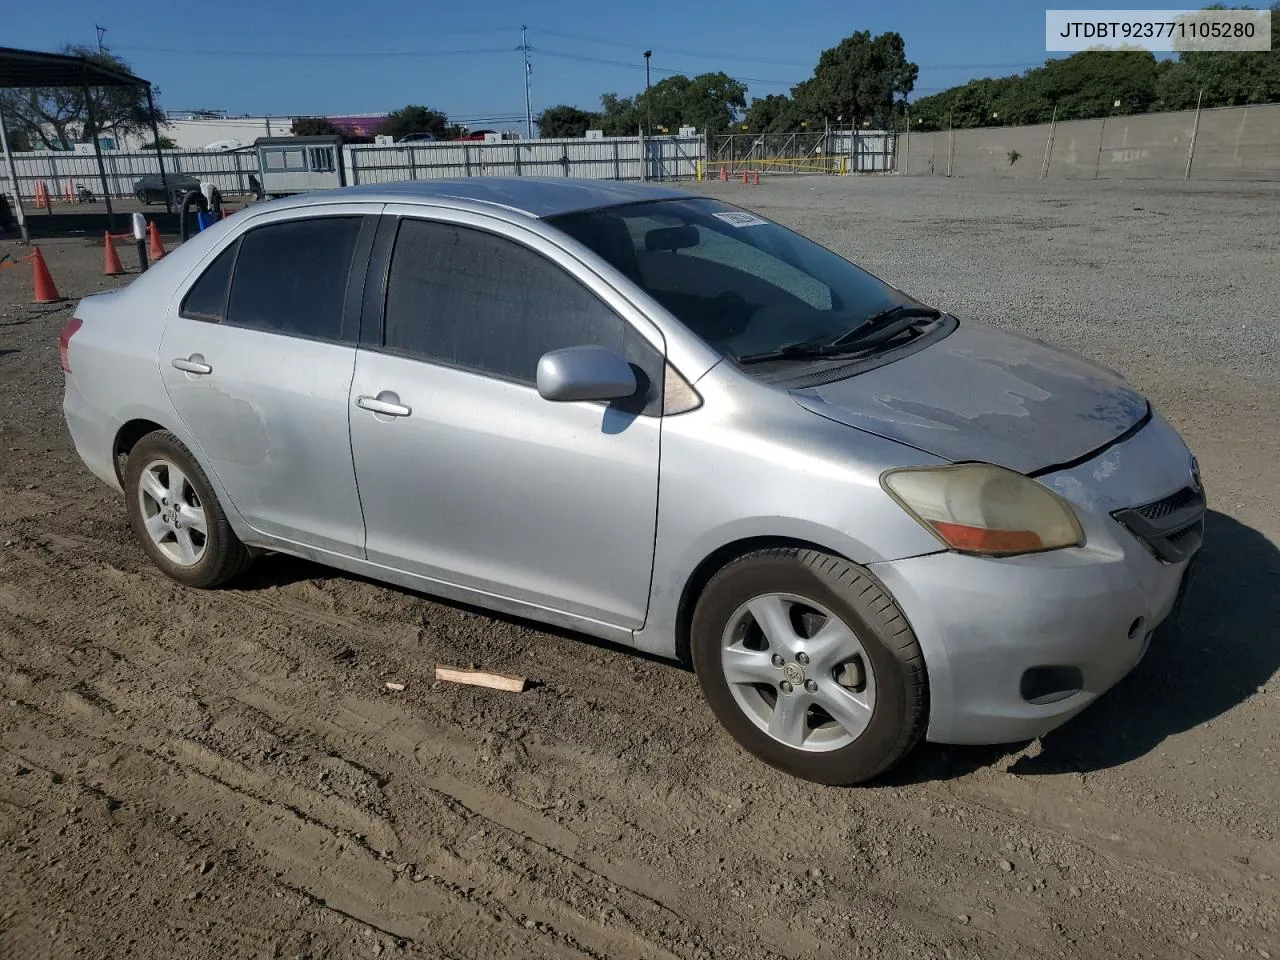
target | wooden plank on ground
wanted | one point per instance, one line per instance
(479, 678)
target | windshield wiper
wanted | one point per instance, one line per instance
(875, 330)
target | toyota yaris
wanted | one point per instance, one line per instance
(658, 419)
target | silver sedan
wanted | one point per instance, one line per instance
(661, 420)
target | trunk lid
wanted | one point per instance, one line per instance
(988, 395)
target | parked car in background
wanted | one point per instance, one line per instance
(871, 522)
(150, 188)
(418, 138)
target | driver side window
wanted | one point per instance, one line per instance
(471, 299)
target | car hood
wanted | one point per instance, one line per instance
(987, 395)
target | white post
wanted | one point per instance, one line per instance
(906, 150)
(951, 143)
(1048, 144)
(1195, 131)
(13, 182)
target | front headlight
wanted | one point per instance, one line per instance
(984, 509)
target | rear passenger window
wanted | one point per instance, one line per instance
(291, 277)
(207, 298)
(475, 300)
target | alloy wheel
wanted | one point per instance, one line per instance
(798, 672)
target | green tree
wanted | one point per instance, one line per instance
(1226, 78)
(314, 127)
(712, 102)
(565, 121)
(860, 79)
(414, 119)
(771, 114)
(58, 117)
(166, 143)
(619, 116)
(1083, 85)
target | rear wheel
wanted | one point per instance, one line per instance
(176, 516)
(809, 664)
(143, 197)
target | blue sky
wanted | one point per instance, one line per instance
(381, 54)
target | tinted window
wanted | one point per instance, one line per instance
(207, 298)
(474, 300)
(292, 277)
(744, 284)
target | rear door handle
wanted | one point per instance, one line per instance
(193, 364)
(386, 403)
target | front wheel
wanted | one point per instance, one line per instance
(176, 516)
(810, 665)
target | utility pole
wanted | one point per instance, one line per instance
(101, 31)
(528, 69)
(648, 111)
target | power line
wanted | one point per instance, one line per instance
(318, 54)
(683, 53)
(562, 54)
(566, 55)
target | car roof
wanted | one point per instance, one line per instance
(533, 196)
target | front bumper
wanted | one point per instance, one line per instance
(984, 623)
(993, 630)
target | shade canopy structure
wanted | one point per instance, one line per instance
(27, 69)
(33, 68)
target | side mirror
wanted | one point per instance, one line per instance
(585, 373)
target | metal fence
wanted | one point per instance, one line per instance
(613, 158)
(826, 151)
(1224, 143)
(56, 169)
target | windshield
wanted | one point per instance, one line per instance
(744, 284)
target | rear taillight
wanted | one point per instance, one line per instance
(64, 342)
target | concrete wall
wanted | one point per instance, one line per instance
(1232, 143)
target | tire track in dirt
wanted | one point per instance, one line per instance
(387, 723)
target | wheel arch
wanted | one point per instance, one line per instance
(126, 438)
(139, 425)
(716, 561)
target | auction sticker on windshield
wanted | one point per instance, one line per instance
(740, 219)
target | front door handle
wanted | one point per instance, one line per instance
(386, 403)
(193, 364)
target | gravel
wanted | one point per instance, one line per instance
(1122, 271)
(150, 729)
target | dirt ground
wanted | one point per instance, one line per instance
(224, 775)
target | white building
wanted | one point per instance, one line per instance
(204, 132)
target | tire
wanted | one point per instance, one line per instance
(160, 468)
(875, 662)
(143, 198)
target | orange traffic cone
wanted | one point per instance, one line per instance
(46, 292)
(757, 178)
(42, 195)
(67, 195)
(724, 173)
(744, 176)
(156, 250)
(111, 265)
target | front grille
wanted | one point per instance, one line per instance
(1186, 497)
(1172, 528)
